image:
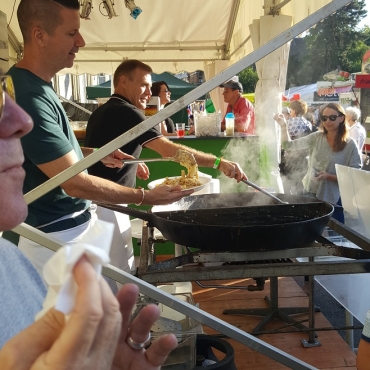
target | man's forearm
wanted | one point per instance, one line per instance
(101, 190)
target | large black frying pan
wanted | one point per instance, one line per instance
(242, 222)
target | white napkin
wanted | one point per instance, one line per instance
(58, 271)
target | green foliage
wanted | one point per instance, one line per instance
(248, 78)
(333, 43)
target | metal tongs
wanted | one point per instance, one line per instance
(250, 183)
(181, 156)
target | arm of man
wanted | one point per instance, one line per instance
(167, 148)
(100, 190)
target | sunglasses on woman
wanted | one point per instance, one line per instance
(332, 117)
(6, 86)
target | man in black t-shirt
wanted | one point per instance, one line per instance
(132, 82)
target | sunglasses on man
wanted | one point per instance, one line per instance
(332, 117)
(6, 86)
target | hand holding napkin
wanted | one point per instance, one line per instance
(58, 271)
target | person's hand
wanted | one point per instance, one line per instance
(94, 335)
(138, 331)
(321, 176)
(280, 119)
(191, 130)
(86, 341)
(232, 170)
(114, 160)
(165, 194)
(142, 171)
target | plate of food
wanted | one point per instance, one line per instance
(186, 183)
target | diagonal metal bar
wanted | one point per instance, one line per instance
(248, 60)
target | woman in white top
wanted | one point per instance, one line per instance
(356, 131)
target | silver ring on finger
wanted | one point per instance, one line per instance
(138, 345)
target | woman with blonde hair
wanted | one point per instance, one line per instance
(298, 125)
(327, 147)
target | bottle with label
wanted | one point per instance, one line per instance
(229, 124)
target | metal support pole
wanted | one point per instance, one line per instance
(312, 341)
(349, 333)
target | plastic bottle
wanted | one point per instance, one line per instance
(229, 124)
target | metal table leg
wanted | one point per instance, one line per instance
(273, 311)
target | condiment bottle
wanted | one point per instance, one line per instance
(229, 124)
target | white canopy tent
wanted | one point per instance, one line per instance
(170, 35)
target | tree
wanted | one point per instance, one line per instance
(248, 78)
(332, 43)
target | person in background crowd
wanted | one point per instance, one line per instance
(318, 113)
(241, 107)
(310, 117)
(356, 130)
(51, 36)
(297, 125)
(327, 147)
(98, 332)
(162, 90)
(286, 112)
(293, 164)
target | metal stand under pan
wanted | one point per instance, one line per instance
(169, 271)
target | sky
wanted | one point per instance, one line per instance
(366, 21)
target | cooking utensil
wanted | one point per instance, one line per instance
(217, 222)
(181, 156)
(253, 185)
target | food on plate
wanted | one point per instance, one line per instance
(189, 180)
(187, 160)
(185, 181)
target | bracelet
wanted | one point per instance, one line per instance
(366, 331)
(217, 163)
(142, 199)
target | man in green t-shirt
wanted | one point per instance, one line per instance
(99, 333)
(51, 36)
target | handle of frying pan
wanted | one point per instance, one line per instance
(253, 185)
(143, 215)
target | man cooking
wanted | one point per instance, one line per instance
(241, 107)
(132, 82)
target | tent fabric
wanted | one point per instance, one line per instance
(178, 87)
(272, 78)
(171, 35)
(103, 90)
(306, 92)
